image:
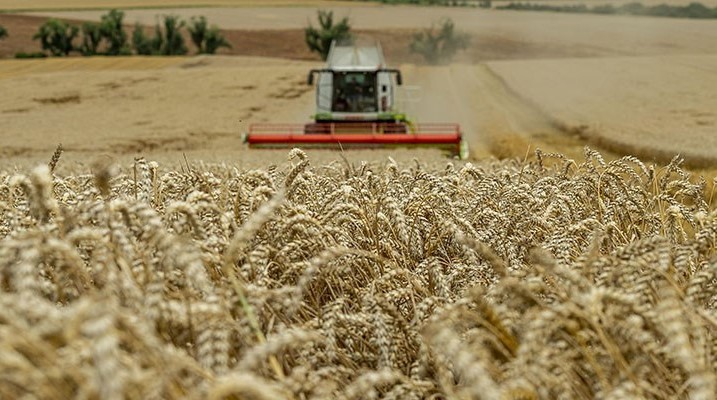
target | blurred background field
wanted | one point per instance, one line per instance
(528, 79)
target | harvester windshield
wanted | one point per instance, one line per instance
(354, 92)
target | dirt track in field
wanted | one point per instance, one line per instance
(496, 121)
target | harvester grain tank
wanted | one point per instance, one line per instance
(356, 106)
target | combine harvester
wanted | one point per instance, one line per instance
(356, 96)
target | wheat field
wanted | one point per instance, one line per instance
(16, 68)
(552, 278)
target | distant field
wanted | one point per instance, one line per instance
(648, 106)
(9, 5)
(139, 106)
(651, 106)
(200, 106)
(14, 68)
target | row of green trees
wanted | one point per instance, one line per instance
(109, 37)
(692, 10)
(436, 44)
(445, 3)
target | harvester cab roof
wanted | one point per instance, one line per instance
(355, 85)
(351, 56)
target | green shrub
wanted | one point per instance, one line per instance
(157, 41)
(451, 3)
(3, 32)
(167, 40)
(633, 8)
(91, 38)
(142, 44)
(208, 39)
(439, 43)
(171, 41)
(604, 9)
(109, 31)
(57, 37)
(319, 40)
(37, 54)
(111, 28)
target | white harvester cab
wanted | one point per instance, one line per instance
(356, 85)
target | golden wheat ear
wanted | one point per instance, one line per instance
(55, 158)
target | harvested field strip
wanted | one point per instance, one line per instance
(13, 68)
(549, 279)
(495, 120)
(654, 107)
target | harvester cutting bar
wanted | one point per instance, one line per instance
(356, 135)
